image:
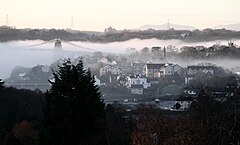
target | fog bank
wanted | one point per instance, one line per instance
(17, 53)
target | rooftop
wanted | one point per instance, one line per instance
(157, 66)
(200, 67)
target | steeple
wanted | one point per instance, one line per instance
(164, 52)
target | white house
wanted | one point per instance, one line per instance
(110, 69)
(137, 80)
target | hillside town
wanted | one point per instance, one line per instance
(131, 82)
(111, 72)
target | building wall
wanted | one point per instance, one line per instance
(125, 69)
(137, 68)
(176, 68)
(188, 80)
(111, 69)
(138, 81)
(150, 73)
(167, 70)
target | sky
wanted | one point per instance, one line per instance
(96, 15)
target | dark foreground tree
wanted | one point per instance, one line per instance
(73, 110)
(1, 84)
(209, 115)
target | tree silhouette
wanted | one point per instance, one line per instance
(209, 114)
(1, 84)
(73, 110)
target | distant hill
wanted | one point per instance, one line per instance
(11, 34)
(165, 27)
(235, 27)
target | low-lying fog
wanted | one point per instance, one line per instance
(18, 53)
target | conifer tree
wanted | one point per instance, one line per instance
(1, 84)
(73, 109)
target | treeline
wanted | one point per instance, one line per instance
(8, 34)
(20, 113)
(208, 122)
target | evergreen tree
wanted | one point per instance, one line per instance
(73, 110)
(1, 84)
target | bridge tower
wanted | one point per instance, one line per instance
(58, 51)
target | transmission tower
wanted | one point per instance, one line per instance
(168, 24)
(72, 23)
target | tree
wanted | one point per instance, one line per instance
(155, 127)
(73, 110)
(208, 114)
(1, 84)
(12, 140)
(145, 50)
(231, 126)
(119, 123)
(24, 132)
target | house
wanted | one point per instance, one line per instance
(167, 70)
(23, 77)
(156, 49)
(199, 72)
(194, 69)
(137, 68)
(201, 77)
(136, 89)
(137, 80)
(160, 70)
(150, 69)
(110, 69)
(125, 69)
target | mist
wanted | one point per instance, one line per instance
(17, 53)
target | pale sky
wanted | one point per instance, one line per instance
(120, 14)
